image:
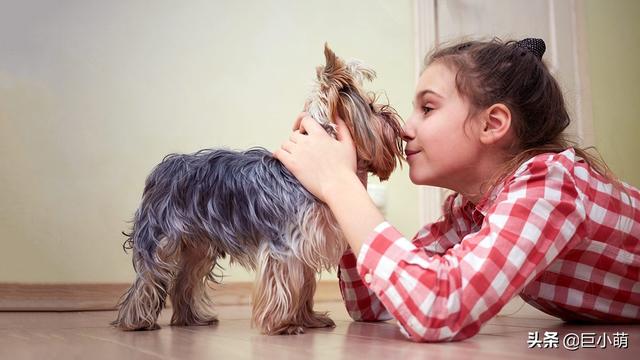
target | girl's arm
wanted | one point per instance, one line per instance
(436, 238)
(361, 303)
(354, 210)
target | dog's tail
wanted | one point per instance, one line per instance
(161, 213)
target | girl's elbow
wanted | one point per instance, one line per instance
(417, 331)
(438, 336)
(369, 316)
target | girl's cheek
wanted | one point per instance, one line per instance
(424, 129)
(428, 136)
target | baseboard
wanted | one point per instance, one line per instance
(85, 297)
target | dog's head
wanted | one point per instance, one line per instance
(375, 128)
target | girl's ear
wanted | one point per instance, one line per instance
(496, 124)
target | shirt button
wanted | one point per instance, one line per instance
(367, 278)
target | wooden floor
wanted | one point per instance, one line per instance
(87, 335)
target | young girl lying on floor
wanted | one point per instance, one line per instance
(531, 215)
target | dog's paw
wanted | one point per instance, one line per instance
(135, 327)
(320, 320)
(211, 320)
(290, 329)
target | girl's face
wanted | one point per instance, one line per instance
(439, 150)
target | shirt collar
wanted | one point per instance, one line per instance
(488, 200)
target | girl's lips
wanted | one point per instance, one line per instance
(410, 152)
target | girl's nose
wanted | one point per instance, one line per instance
(408, 133)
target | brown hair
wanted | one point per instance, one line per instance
(490, 72)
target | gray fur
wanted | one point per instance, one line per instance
(237, 199)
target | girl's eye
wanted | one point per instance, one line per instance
(426, 109)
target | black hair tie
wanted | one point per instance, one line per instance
(464, 46)
(533, 45)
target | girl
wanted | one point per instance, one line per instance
(531, 215)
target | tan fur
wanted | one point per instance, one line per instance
(283, 297)
(190, 300)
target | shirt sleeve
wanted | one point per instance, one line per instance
(449, 297)
(361, 303)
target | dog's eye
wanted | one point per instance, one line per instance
(426, 109)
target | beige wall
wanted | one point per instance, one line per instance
(613, 30)
(94, 93)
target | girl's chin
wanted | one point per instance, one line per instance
(422, 178)
(418, 179)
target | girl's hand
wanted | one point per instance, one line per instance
(318, 161)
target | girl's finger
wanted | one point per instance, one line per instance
(287, 147)
(295, 137)
(284, 157)
(296, 123)
(343, 131)
(309, 126)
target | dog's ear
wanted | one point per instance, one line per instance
(356, 69)
(360, 71)
(334, 72)
(333, 78)
(375, 129)
(390, 135)
(330, 59)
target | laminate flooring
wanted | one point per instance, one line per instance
(88, 335)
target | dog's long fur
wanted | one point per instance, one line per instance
(199, 208)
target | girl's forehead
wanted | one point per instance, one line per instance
(437, 78)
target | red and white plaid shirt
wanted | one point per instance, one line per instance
(557, 233)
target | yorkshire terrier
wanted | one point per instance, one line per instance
(198, 208)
